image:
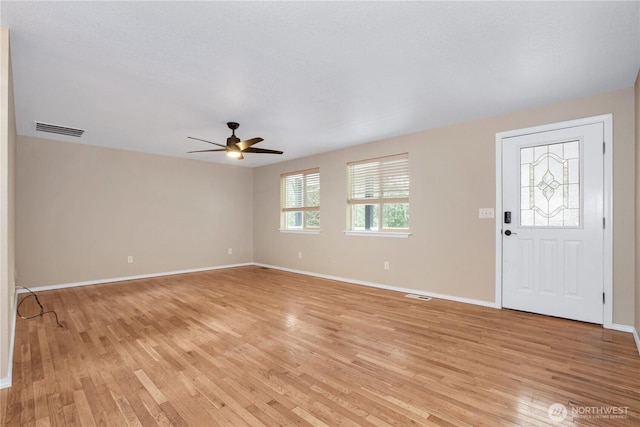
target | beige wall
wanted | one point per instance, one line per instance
(637, 259)
(7, 205)
(451, 251)
(82, 210)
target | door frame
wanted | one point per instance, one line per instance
(607, 121)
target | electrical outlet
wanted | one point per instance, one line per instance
(230, 251)
(486, 213)
(299, 255)
(130, 259)
(386, 265)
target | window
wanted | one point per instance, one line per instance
(300, 200)
(378, 196)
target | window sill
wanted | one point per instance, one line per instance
(392, 234)
(288, 230)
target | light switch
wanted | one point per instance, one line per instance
(486, 213)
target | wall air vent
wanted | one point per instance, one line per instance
(60, 130)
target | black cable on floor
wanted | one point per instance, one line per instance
(42, 312)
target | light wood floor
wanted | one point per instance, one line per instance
(253, 346)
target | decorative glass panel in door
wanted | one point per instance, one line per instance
(550, 185)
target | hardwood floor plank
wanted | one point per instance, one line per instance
(27, 410)
(153, 390)
(315, 422)
(43, 422)
(56, 411)
(40, 400)
(267, 410)
(85, 415)
(156, 412)
(252, 346)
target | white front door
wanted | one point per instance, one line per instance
(552, 222)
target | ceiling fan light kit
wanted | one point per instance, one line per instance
(235, 148)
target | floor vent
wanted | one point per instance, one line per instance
(422, 297)
(60, 130)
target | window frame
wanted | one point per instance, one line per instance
(381, 177)
(304, 208)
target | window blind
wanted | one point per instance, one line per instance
(381, 180)
(301, 190)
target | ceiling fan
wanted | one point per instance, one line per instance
(235, 147)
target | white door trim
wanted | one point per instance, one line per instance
(607, 120)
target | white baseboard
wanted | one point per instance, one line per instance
(628, 329)
(387, 287)
(622, 328)
(7, 381)
(123, 279)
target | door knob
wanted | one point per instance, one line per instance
(508, 233)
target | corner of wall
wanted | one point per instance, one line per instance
(637, 206)
(7, 380)
(7, 210)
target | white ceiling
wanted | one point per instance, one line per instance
(307, 77)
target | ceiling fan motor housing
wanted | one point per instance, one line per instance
(232, 141)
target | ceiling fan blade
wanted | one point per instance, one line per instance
(206, 151)
(243, 145)
(261, 150)
(214, 143)
(240, 157)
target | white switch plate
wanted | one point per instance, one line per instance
(130, 259)
(486, 213)
(230, 251)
